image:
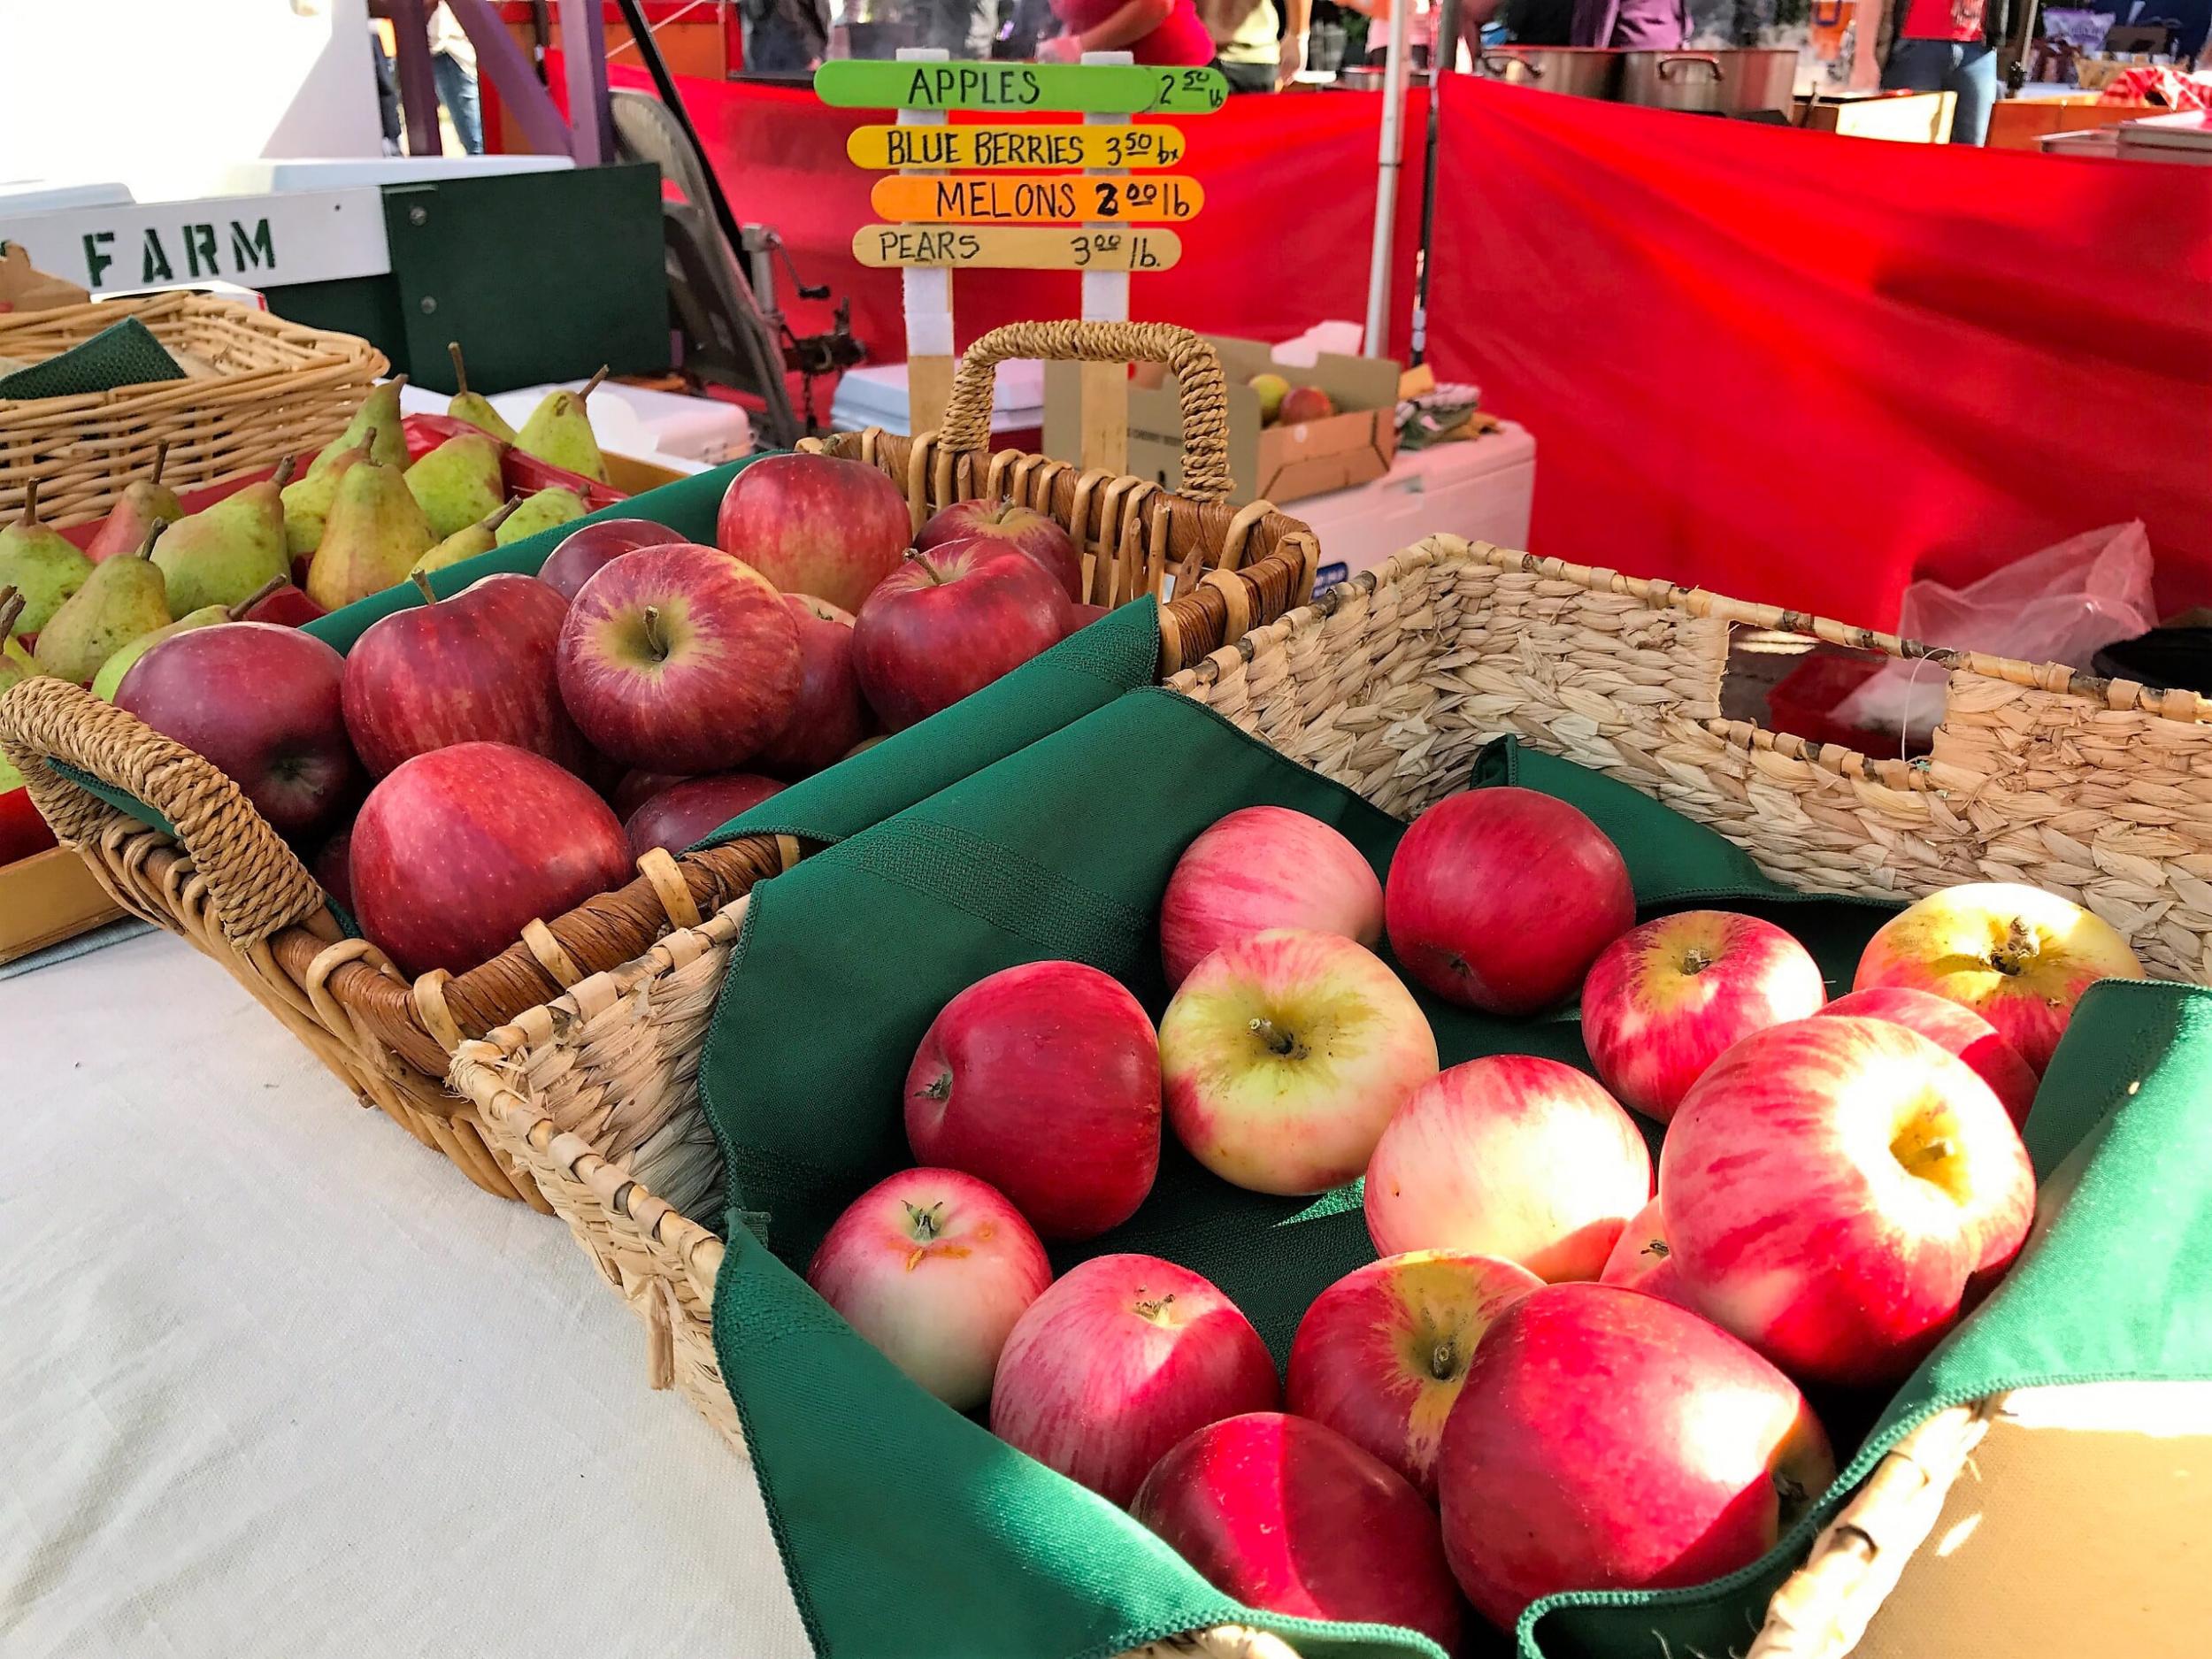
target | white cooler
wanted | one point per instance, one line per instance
(1481, 489)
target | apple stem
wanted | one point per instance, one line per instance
(1152, 1311)
(1278, 1041)
(653, 637)
(421, 579)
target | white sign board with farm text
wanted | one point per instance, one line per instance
(258, 241)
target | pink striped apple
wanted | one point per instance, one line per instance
(1285, 1515)
(1381, 1355)
(933, 1267)
(1605, 1440)
(1044, 1080)
(1262, 867)
(1834, 1189)
(1664, 1001)
(2018, 957)
(1643, 1260)
(1956, 1028)
(1284, 1055)
(1117, 1362)
(1510, 1156)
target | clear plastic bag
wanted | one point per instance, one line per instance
(2061, 605)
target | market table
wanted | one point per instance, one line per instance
(277, 1381)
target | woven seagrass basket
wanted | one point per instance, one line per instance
(263, 387)
(226, 882)
(1391, 684)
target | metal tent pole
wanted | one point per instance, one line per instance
(1386, 180)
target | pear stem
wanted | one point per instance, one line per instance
(460, 369)
(161, 459)
(237, 612)
(284, 469)
(500, 518)
(11, 608)
(421, 579)
(592, 385)
(30, 503)
(145, 549)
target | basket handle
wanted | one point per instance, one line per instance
(259, 884)
(966, 429)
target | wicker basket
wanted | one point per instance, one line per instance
(266, 387)
(1390, 685)
(227, 882)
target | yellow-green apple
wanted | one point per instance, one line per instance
(829, 717)
(1304, 402)
(1286, 1515)
(1510, 1156)
(263, 704)
(1283, 1056)
(1835, 1190)
(1634, 1445)
(692, 809)
(1044, 1080)
(1643, 1260)
(1122, 1357)
(933, 1267)
(457, 851)
(1501, 899)
(1381, 1354)
(1664, 1001)
(1262, 867)
(949, 622)
(474, 668)
(678, 658)
(2018, 957)
(1271, 388)
(1005, 524)
(1953, 1026)
(816, 524)
(603, 541)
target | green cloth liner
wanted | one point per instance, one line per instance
(906, 1527)
(122, 354)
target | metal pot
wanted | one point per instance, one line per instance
(1583, 72)
(1735, 83)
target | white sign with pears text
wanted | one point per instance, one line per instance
(256, 241)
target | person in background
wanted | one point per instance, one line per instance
(1259, 49)
(1646, 26)
(1166, 33)
(453, 66)
(1949, 46)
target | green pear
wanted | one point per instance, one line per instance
(470, 541)
(373, 538)
(40, 564)
(112, 671)
(542, 511)
(307, 500)
(131, 517)
(220, 555)
(378, 416)
(475, 407)
(122, 599)
(458, 482)
(559, 431)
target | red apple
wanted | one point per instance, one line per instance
(692, 809)
(1304, 402)
(1380, 1355)
(1664, 1001)
(459, 850)
(1835, 1188)
(1510, 1155)
(932, 1267)
(1955, 1028)
(264, 705)
(287, 607)
(1290, 1517)
(945, 624)
(589, 548)
(2018, 957)
(829, 716)
(1044, 1080)
(678, 659)
(815, 524)
(1262, 867)
(1501, 899)
(1606, 1440)
(22, 830)
(634, 789)
(1284, 1055)
(1643, 1260)
(332, 868)
(1118, 1361)
(474, 668)
(1024, 529)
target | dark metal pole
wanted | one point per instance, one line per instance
(648, 51)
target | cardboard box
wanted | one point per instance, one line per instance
(49, 897)
(1278, 463)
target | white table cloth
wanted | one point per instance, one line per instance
(276, 1380)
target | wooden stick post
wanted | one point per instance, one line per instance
(929, 291)
(1104, 419)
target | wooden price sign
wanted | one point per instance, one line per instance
(1096, 183)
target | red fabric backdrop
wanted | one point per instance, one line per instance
(1800, 369)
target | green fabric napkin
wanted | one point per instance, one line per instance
(123, 353)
